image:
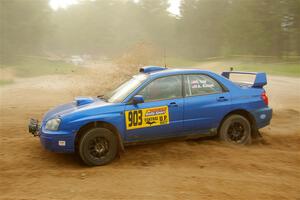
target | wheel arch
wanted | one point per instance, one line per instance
(247, 115)
(83, 129)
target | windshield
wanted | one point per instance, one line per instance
(119, 94)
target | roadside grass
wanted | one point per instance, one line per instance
(274, 67)
(284, 69)
(35, 66)
(5, 82)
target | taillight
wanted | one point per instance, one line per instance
(265, 98)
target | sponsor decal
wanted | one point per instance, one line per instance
(61, 143)
(201, 84)
(148, 117)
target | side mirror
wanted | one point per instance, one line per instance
(138, 99)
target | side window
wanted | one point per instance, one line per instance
(199, 84)
(163, 88)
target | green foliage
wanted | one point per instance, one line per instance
(109, 27)
(23, 26)
(206, 28)
(257, 27)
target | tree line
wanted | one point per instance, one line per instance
(205, 28)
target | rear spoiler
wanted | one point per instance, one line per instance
(260, 77)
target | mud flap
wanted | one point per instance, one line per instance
(255, 133)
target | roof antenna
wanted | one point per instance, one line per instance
(165, 57)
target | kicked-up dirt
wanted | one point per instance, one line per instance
(194, 169)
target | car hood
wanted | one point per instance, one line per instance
(79, 103)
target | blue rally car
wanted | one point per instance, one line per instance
(157, 103)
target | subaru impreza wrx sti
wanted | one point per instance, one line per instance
(158, 103)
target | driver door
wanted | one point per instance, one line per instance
(161, 114)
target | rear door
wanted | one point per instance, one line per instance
(205, 104)
(161, 115)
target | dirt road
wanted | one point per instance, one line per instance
(198, 169)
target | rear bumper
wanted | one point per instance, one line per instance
(262, 117)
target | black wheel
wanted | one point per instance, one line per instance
(236, 129)
(98, 146)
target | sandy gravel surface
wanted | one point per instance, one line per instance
(196, 169)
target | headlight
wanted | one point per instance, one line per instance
(53, 124)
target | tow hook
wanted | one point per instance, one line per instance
(33, 127)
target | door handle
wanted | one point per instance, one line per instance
(221, 99)
(173, 104)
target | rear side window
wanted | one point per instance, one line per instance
(169, 87)
(199, 84)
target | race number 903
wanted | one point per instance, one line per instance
(135, 118)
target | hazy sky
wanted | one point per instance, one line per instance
(56, 4)
(174, 7)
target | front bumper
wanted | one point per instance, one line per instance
(55, 141)
(59, 142)
(262, 117)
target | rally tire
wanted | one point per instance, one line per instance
(236, 129)
(98, 146)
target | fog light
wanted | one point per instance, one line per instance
(263, 116)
